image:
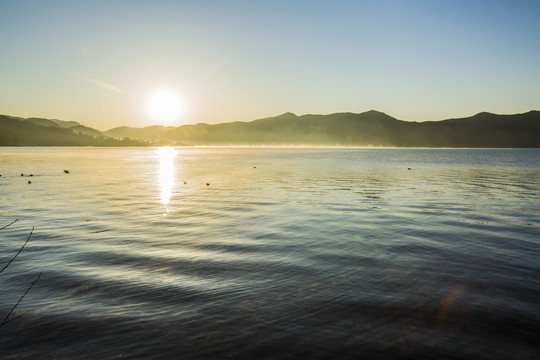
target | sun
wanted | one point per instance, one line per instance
(165, 106)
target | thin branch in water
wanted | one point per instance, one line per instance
(13, 222)
(5, 321)
(10, 261)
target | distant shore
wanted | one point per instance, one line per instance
(368, 129)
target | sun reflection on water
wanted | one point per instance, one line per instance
(166, 172)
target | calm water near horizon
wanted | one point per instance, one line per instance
(271, 253)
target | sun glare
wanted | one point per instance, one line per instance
(166, 172)
(165, 106)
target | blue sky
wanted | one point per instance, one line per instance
(99, 62)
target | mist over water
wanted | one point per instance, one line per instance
(258, 253)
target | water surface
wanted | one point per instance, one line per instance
(261, 253)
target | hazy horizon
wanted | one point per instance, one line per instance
(141, 63)
(175, 125)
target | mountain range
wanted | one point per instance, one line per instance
(15, 131)
(370, 128)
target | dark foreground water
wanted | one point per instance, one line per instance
(285, 254)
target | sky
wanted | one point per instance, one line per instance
(100, 62)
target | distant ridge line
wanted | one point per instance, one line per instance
(370, 128)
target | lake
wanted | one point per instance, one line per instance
(270, 253)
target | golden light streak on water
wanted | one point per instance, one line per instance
(166, 172)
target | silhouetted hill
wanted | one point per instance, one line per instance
(481, 130)
(51, 122)
(81, 129)
(43, 132)
(370, 128)
(41, 122)
(150, 133)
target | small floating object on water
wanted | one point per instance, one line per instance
(31, 175)
(254, 167)
(185, 183)
(207, 184)
(408, 168)
(29, 182)
(66, 171)
(22, 174)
